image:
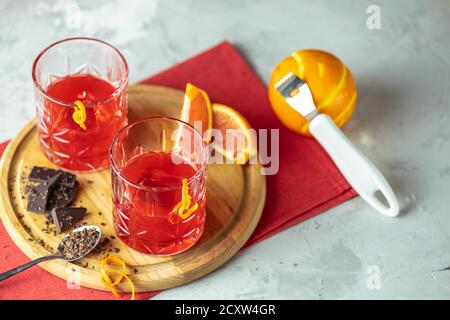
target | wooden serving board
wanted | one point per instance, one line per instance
(235, 200)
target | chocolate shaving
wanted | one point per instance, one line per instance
(79, 243)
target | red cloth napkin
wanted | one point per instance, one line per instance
(306, 184)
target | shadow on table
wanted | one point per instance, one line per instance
(380, 106)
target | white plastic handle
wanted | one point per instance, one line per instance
(362, 174)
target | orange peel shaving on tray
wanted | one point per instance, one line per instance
(79, 114)
(184, 208)
(105, 275)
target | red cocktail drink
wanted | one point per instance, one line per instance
(159, 185)
(80, 76)
(146, 221)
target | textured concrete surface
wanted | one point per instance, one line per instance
(402, 124)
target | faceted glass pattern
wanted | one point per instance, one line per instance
(143, 214)
(61, 139)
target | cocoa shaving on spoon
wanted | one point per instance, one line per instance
(78, 243)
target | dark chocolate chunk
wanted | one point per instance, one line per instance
(41, 174)
(64, 218)
(40, 194)
(63, 195)
(68, 179)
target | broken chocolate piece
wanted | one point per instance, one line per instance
(64, 218)
(63, 195)
(68, 179)
(41, 174)
(40, 194)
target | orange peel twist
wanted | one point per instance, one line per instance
(184, 208)
(79, 114)
(106, 279)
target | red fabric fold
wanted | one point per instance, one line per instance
(306, 184)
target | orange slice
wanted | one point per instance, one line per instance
(238, 144)
(197, 107)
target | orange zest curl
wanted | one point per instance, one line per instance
(108, 281)
(79, 114)
(184, 208)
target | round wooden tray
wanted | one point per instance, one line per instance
(235, 200)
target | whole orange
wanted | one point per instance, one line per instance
(331, 83)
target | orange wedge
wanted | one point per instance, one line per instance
(224, 118)
(197, 110)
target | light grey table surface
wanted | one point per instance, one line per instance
(402, 123)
